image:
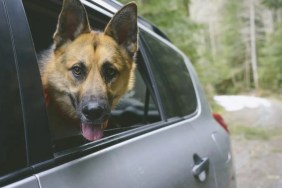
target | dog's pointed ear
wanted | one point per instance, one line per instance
(72, 22)
(123, 28)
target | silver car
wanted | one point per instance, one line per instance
(161, 135)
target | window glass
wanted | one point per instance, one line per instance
(136, 108)
(172, 77)
(12, 142)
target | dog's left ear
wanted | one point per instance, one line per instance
(72, 22)
(123, 28)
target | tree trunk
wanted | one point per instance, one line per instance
(212, 40)
(247, 67)
(253, 46)
(187, 7)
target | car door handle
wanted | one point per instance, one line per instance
(201, 167)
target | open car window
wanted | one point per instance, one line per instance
(136, 108)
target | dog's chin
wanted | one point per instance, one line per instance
(93, 132)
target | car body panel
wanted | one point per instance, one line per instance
(156, 159)
(218, 137)
(30, 182)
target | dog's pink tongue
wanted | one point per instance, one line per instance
(91, 132)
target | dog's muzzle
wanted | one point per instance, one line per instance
(94, 119)
(96, 112)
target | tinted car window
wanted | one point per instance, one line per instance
(12, 142)
(172, 77)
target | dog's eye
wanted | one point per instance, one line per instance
(109, 72)
(78, 71)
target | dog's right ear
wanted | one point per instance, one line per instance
(123, 28)
(72, 22)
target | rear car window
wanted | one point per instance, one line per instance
(172, 77)
(12, 140)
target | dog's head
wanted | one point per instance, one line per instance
(91, 70)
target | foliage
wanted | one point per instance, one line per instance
(231, 54)
(271, 64)
(219, 44)
(172, 18)
(274, 4)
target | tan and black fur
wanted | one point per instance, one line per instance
(86, 72)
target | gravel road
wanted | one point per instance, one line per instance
(256, 135)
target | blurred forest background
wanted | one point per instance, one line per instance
(235, 45)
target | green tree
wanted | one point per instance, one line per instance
(271, 63)
(217, 37)
(173, 19)
(273, 4)
(232, 49)
(271, 56)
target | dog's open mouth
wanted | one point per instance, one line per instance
(93, 132)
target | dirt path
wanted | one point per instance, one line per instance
(257, 162)
(257, 145)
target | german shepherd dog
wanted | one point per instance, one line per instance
(86, 72)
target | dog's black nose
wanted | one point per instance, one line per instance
(95, 112)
